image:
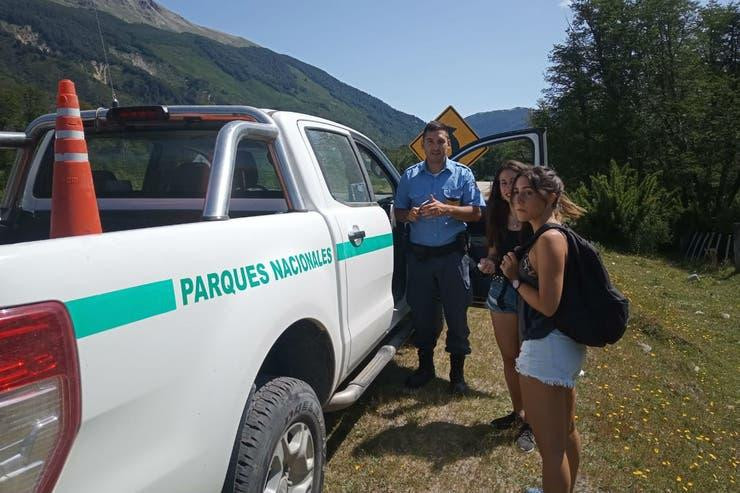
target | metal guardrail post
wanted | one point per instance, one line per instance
(691, 244)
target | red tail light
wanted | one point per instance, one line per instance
(138, 113)
(39, 395)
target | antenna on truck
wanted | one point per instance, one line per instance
(106, 70)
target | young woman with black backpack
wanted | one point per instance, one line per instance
(505, 233)
(548, 361)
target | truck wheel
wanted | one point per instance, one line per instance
(281, 447)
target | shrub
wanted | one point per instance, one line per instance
(627, 211)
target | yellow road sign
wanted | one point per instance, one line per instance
(461, 134)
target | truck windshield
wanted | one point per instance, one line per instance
(165, 164)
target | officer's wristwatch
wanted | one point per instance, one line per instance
(515, 284)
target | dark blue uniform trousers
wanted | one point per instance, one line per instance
(437, 284)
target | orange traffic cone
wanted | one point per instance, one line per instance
(74, 209)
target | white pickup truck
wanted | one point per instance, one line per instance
(248, 279)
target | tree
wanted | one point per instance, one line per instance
(651, 84)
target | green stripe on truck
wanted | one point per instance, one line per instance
(108, 310)
(348, 250)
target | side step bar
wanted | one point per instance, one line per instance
(362, 381)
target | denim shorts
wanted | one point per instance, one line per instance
(509, 300)
(556, 359)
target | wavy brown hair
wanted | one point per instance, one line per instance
(543, 179)
(497, 209)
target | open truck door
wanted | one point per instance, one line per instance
(528, 146)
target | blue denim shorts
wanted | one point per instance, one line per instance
(556, 359)
(509, 300)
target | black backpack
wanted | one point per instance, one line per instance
(591, 311)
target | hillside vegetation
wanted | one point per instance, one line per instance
(42, 42)
(151, 13)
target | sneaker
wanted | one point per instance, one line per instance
(533, 490)
(525, 439)
(505, 422)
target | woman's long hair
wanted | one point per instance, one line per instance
(544, 179)
(497, 209)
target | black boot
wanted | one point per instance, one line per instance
(457, 374)
(425, 372)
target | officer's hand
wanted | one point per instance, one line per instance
(413, 214)
(486, 266)
(509, 266)
(433, 208)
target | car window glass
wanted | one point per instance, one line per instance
(379, 180)
(339, 166)
(166, 164)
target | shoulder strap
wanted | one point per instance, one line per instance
(524, 248)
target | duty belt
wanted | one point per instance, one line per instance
(422, 252)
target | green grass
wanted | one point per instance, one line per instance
(662, 419)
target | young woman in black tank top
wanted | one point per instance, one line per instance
(505, 233)
(549, 361)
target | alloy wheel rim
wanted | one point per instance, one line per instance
(292, 463)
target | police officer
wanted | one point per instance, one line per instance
(436, 197)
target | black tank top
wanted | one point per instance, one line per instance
(512, 239)
(509, 242)
(532, 324)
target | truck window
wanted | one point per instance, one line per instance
(339, 166)
(519, 149)
(379, 180)
(166, 164)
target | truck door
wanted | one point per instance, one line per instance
(527, 146)
(384, 180)
(362, 235)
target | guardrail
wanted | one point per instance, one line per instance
(712, 246)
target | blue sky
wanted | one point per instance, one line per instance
(417, 56)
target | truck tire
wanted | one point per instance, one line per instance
(281, 445)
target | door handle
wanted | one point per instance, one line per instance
(356, 236)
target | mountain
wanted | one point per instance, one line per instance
(44, 41)
(497, 121)
(151, 13)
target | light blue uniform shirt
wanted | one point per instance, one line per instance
(455, 185)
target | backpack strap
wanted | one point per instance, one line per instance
(526, 246)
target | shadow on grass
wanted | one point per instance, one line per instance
(439, 442)
(653, 328)
(389, 387)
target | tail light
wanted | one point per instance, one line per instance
(39, 395)
(138, 113)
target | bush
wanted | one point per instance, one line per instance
(626, 211)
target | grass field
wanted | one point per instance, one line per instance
(656, 412)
